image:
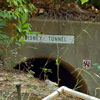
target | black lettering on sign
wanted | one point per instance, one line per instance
(59, 39)
(56, 39)
(64, 39)
(30, 37)
(40, 38)
(27, 38)
(34, 37)
(51, 38)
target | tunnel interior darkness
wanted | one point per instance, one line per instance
(66, 77)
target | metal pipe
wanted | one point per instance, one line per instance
(18, 86)
(71, 92)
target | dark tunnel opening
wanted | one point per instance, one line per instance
(65, 72)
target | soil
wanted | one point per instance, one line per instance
(66, 11)
(31, 88)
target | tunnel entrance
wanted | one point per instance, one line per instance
(67, 78)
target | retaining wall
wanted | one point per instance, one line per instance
(85, 47)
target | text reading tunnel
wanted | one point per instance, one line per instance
(67, 78)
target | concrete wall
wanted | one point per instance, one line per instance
(86, 44)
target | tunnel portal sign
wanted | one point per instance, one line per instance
(86, 63)
(62, 39)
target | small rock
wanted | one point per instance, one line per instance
(41, 11)
(50, 84)
(96, 10)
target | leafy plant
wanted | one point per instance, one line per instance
(20, 10)
(46, 70)
(30, 73)
(84, 1)
(95, 3)
(58, 64)
(8, 77)
(96, 65)
(4, 39)
(14, 15)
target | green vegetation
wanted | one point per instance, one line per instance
(18, 11)
(15, 17)
(45, 71)
(95, 3)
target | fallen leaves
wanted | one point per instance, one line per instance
(66, 11)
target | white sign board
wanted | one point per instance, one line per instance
(62, 39)
(86, 63)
